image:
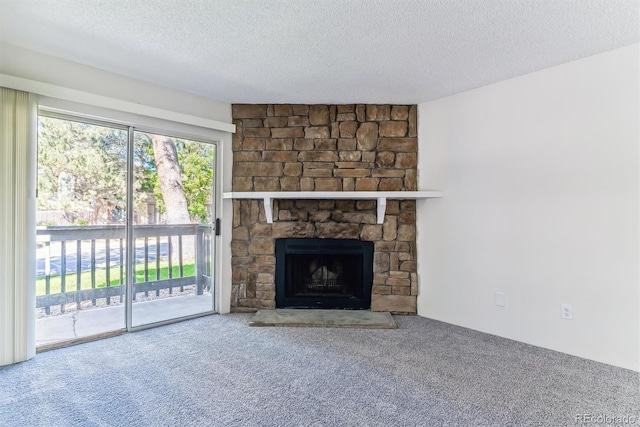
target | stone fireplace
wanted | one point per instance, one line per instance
(324, 148)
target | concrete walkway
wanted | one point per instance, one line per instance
(95, 321)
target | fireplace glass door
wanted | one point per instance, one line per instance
(323, 273)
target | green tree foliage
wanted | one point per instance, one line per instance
(196, 161)
(197, 166)
(82, 172)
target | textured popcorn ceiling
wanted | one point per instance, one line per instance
(320, 51)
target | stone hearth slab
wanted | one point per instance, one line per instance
(324, 319)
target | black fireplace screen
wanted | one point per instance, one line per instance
(324, 273)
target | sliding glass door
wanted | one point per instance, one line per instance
(80, 229)
(172, 215)
(124, 228)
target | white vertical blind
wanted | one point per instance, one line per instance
(18, 118)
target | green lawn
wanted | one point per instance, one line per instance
(114, 277)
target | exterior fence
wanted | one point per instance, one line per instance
(83, 252)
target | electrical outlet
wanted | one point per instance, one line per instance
(566, 311)
(501, 299)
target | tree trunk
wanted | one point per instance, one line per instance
(166, 157)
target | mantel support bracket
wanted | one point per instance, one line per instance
(382, 209)
(268, 209)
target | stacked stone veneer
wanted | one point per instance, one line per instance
(324, 148)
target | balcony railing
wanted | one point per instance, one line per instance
(82, 264)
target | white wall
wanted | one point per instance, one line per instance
(540, 176)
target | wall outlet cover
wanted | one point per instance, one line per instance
(566, 311)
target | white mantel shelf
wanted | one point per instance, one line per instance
(380, 196)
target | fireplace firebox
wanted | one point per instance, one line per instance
(324, 273)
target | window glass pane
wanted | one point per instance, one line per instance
(173, 205)
(80, 218)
